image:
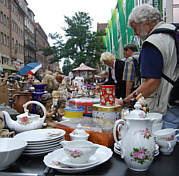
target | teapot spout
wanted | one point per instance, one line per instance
(9, 122)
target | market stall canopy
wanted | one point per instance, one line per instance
(83, 67)
(30, 68)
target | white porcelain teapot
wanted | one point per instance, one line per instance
(137, 143)
(26, 121)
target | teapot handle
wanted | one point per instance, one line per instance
(37, 103)
(117, 126)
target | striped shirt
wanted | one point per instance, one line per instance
(129, 70)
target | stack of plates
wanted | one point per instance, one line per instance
(41, 141)
(117, 149)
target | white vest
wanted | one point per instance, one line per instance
(158, 100)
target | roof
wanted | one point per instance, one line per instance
(83, 67)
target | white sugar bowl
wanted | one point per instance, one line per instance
(79, 134)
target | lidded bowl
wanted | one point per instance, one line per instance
(79, 134)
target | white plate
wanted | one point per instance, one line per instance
(40, 152)
(117, 151)
(42, 146)
(66, 161)
(51, 160)
(42, 149)
(45, 143)
(41, 136)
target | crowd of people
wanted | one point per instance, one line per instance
(158, 56)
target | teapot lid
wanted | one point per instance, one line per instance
(137, 113)
(79, 131)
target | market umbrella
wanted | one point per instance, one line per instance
(30, 68)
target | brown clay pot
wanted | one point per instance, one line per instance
(20, 99)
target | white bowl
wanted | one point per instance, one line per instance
(10, 151)
(79, 151)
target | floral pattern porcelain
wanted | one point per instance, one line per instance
(137, 143)
(74, 153)
(79, 151)
(79, 134)
(140, 155)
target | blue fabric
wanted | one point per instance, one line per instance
(151, 62)
(171, 119)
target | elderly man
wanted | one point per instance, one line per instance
(158, 55)
(116, 68)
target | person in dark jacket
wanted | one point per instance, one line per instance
(116, 68)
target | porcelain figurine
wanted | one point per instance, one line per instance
(137, 143)
(26, 121)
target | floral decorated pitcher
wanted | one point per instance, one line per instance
(137, 144)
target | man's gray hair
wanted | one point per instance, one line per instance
(144, 13)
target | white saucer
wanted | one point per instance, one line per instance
(41, 136)
(51, 160)
(66, 161)
(117, 146)
(117, 151)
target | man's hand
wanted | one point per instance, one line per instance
(119, 102)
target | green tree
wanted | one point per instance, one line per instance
(56, 50)
(67, 66)
(81, 44)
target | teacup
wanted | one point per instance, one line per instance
(166, 147)
(79, 151)
(4, 133)
(167, 134)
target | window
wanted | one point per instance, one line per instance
(16, 47)
(2, 38)
(175, 2)
(4, 20)
(5, 60)
(7, 22)
(7, 41)
(13, 43)
(175, 15)
(1, 17)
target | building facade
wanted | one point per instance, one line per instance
(18, 32)
(11, 35)
(29, 38)
(42, 42)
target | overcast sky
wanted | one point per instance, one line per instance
(50, 13)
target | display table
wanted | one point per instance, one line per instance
(161, 166)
